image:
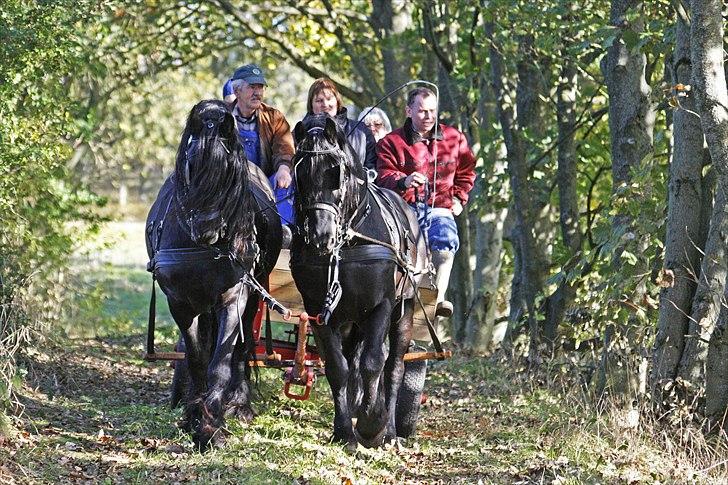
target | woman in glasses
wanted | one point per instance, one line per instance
(377, 121)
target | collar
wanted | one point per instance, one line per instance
(411, 136)
(238, 114)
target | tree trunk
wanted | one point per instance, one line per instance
(631, 124)
(683, 229)
(706, 304)
(461, 289)
(709, 86)
(388, 23)
(530, 279)
(568, 203)
(479, 326)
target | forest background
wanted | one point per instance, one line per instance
(594, 244)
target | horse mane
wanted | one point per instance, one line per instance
(211, 176)
(320, 137)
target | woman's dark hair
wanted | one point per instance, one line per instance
(319, 85)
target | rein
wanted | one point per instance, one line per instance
(171, 257)
(347, 230)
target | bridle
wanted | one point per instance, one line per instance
(345, 227)
(336, 209)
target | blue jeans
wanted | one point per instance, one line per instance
(439, 223)
(284, 201)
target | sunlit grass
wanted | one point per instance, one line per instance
(94, 411)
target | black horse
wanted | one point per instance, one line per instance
(210, 233)
(356, 257)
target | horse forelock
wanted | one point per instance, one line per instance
(212, 180)
(317, 154)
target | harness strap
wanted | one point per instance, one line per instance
(152, 316)
(268, 333)
(333, 295)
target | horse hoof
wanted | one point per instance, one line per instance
(349, 442)
(243, 413)
(374, 441)
(209, 438)
(350, 447)
(188, 423)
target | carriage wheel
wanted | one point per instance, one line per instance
(410, 395)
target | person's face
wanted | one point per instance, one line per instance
(325, 102)
(376, 125)
(249, 97)
(423, 113)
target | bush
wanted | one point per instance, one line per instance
(39, 52)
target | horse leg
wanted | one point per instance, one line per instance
(238, 394)
(328, 341)
(400, 335)
(372, 413)
(180, 378)
(219, 372)
(196, 358)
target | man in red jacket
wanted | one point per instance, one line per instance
(435, 162)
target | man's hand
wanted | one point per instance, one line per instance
(283, 177)
(415, 179)
(457, 207)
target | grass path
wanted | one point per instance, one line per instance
(94, 412)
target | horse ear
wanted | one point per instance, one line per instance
(299, 132)
(330, 129)
(228, 123)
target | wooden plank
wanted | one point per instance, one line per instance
(283, 288)
(413, 356)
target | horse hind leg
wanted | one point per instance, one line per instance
(400, 335)
(372, 417)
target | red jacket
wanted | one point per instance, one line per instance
(403, 151)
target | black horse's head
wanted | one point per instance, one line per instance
(328, 181)
(211, 178)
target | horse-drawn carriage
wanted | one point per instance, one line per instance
(358, 265)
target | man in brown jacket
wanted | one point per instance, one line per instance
(266, 136)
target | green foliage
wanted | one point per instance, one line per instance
(39, 52)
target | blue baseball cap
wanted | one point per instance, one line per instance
(227, 89)
(250, 73)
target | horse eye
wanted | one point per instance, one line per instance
(331, 178)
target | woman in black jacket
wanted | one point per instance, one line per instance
(323, 97)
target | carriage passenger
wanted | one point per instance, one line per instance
(227, 92)
(324, 97)
(435, 158)
(377, 121)
(266, 136)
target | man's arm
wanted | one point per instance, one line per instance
(282, 152)
(465, 171)
(388, 167)
(282, 144)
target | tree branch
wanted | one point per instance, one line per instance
(356, 96)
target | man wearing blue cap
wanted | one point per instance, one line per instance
(265, 134)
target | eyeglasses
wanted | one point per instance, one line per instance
(374, 124)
